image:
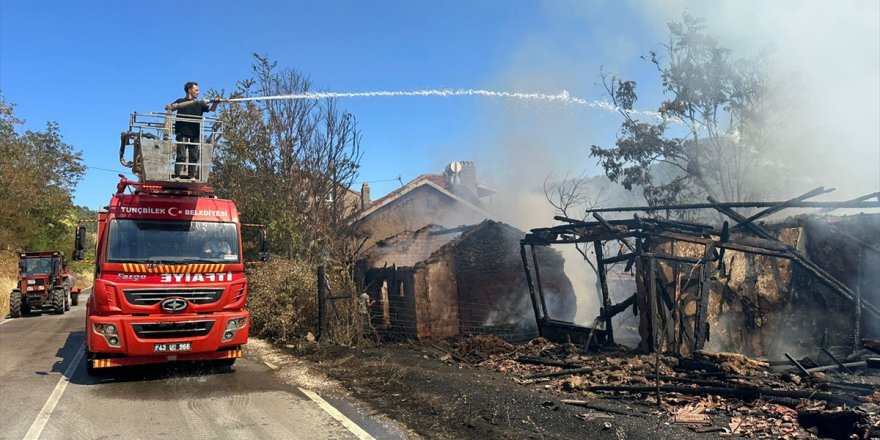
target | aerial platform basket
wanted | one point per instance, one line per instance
(160, 156)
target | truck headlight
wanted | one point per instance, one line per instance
(236, 323)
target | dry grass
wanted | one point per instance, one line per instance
(8, 277)
(283, 303)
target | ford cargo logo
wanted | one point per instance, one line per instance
(175, 304)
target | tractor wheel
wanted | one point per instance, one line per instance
(57, 299)
(66, 302)
(15, 304)
(74, 299)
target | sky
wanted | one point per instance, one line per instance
(87, 65)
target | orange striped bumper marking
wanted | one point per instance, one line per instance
(164, 268)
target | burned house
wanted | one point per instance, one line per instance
(435, 283)
(753, 288)
(452, 198)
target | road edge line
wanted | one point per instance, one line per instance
(36, 428)
(5, 321)
(330, 409)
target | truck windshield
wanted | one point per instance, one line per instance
(33, 266)
(170, 242)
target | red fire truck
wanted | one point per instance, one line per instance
(169, 268)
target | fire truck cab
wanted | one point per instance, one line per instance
(169, 267)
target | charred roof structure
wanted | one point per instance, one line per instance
(760, 290)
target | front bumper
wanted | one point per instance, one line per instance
(134, 339)
(179, 357)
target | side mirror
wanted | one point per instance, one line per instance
(264, 245)
(80, 243)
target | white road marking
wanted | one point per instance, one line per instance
(43, 417)
(346, 422)
(5, 321)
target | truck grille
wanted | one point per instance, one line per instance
(170, 330)
(148, 297)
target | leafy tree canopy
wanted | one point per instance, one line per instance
(38, 172)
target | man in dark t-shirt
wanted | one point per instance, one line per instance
(188, 131)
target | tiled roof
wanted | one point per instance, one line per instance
(436, 179)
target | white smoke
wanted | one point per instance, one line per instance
(825, 73)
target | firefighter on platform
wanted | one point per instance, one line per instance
(188, 131)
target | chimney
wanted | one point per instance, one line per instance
(469, 175)
(365, 195)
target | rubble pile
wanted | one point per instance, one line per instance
(726, 393)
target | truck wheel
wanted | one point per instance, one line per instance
(15, 304)
(58, 301)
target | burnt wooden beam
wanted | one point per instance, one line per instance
(533, 239)
(628, 223)
(875, 195)
(618, 259)
(836, 361)
(872, 344)
(547, 362)
(525, 261)
(773, 209)
(861, 203)
(606, 298)
(620, 307)
(611, 229)
(664, 256)
(701, 321)
(856, 364)
(538, 279)
(673, 225)
(797, 364)
(568, 372)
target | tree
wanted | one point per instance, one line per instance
(721, 104)
(288, 163)
(38, 172)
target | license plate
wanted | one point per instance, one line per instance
(173, 347)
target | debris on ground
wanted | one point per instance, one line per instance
(726, 393)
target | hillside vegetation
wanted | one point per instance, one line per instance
(38, 172)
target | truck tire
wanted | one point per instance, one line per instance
(15, 304)
(74, 299)
(58, 300)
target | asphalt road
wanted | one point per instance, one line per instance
(46, 393)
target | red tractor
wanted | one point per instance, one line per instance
(43, 282)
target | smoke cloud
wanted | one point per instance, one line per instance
(825, 65)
